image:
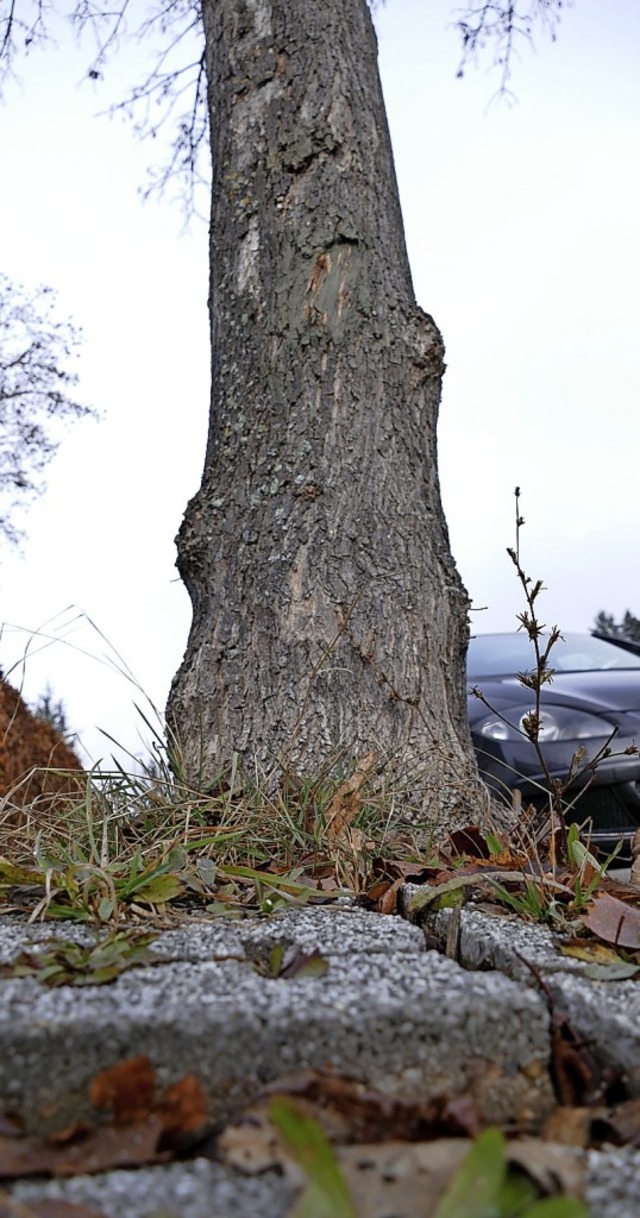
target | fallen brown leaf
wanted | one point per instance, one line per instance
(365, 1115)
(554, 1168)
(614, 920)
(388, 902)
(589, 950)
(183, 1111)
(407, 1178)
(617, 888)
(620, 1125)
(417, 873)
(592, 1127)
(346, 800)
(470, 841)
(128, 1089)
(569, 1126)
(375, 892)
(127, 1146)
(251, 1143)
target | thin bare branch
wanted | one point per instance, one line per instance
(21, 28)
(503, 25)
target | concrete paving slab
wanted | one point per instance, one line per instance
(606, 1014)
(355, 931)
(404, 1020)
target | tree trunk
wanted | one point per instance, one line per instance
(327, 610)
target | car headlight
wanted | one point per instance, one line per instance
(558, 723)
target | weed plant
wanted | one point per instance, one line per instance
(563, 793)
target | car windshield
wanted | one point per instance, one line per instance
(508, 654)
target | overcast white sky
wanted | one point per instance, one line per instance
(523, 234)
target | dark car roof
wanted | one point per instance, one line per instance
(495, 655)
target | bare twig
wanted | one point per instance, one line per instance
(503, 25)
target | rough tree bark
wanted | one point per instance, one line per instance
(327, 609)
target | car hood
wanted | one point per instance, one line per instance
(614, 691)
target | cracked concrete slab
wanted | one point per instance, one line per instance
(605, 1014)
